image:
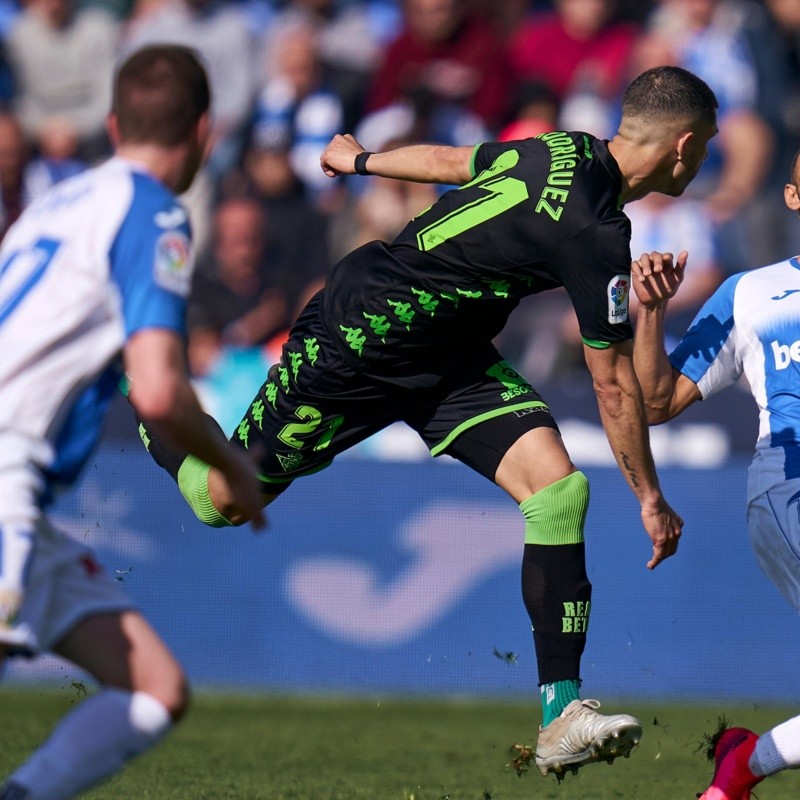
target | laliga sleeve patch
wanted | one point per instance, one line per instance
(618, 292)
(173, 262)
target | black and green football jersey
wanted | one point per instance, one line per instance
(539, 213)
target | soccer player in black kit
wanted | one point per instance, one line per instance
(403, 331)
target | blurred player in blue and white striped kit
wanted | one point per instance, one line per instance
(93, 280)
(750, 326)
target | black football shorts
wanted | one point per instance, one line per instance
(315, 405)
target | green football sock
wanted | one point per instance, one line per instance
(193, 483)
(556, 697)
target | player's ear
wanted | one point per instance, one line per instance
(203, 132)
(112, 127)
(791, 197)
(681, 146)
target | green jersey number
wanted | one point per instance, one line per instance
(502, 193)
(292, 433)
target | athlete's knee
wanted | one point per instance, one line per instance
(169, 685)
(177, 697)
(557, 513)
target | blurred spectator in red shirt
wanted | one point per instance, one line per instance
(575, 45)
(535, 111)
(444, 56)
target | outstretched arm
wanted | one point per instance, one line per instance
(421, 163)
(667, 392)
(622, 413)
(165, 401)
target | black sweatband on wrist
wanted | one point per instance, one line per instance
(361, 163)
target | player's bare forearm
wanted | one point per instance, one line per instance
(165, 401)
(653, 369)
(183, 424)
(420, 163)
(623, 417)
(191, 431)
(666, 391)
(424, 163)
(622, 413)
(656, 280)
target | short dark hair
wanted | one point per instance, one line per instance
(670, 92)
(793, 168)
(160, 92)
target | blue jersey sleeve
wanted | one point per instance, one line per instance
(708, 342)
(151, 259)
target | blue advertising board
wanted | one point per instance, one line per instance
(393, 578)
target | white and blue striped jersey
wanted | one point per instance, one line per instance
(98, 258)
(751, 326)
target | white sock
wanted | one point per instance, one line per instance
(777, 749)
(92, 743)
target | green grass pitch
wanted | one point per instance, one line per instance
(268, 748)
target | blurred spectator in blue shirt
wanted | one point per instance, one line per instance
(707, 37)
(295, 111)
(776, 44)
(351, 38)
(669, 225)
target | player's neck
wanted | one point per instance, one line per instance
(165, 164)
(640, 165)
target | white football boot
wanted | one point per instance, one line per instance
(581, 736)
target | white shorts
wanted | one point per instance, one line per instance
(773, 521)
(65, 584)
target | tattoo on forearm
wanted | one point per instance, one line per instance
(629, 469)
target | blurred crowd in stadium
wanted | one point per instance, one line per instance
(288, 74)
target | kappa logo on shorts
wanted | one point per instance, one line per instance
(619, 289)
(290, 462)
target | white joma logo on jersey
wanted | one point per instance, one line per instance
(785, 353)
(170, 219)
